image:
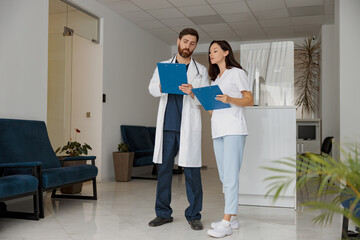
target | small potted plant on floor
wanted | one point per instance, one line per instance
(73, 149)
(123, 163)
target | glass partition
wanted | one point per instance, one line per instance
(59, 89)
(84, 24)
(270, 68)
(66, 14)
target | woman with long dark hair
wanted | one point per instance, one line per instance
(228, 128)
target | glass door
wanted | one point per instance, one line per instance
(59, 89)
(74, 76)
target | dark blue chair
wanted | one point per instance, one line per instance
(141, 141)
(18, 186)
(326, 147)
(28, 141)
(152, 132)
(347, 198)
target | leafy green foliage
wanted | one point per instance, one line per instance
(74, 149)
(123, 147)
(332, 176)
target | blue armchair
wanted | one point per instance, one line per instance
(141, 141)
(18, 186)
(28, 141)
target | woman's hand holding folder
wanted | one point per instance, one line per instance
(186, 88)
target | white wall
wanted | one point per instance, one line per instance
(23, 59)
(130, 57)
(349, 49)
(329, 87)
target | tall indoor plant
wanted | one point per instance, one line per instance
(307, 69)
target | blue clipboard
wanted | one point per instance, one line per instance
(207, 95)
(172, 75)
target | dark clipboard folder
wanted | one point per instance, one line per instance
(207, 95)
(172, 75)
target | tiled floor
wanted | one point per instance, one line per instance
(124, 209)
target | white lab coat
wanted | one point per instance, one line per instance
(190, 132)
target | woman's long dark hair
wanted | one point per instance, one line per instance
(229, 59)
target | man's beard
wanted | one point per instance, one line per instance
(183, 53)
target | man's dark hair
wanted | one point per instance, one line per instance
(189, 31)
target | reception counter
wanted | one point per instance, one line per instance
(272, 136)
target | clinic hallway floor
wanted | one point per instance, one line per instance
(123, 210)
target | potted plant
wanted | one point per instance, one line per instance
(307, 68)
(123, 163)
(336, 178)
(73, 149)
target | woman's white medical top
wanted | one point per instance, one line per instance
(230, 121)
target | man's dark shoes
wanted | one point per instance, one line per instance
(196, 224)
(158, 221)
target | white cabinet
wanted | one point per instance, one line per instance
(272, 136)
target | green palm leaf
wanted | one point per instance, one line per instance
(331, 177)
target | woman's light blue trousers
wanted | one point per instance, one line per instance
(229, 153)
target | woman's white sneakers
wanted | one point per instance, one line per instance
(234, 223)
(221, 229)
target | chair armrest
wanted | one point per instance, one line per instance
(20, 164)
(77, 158)
(36, 167)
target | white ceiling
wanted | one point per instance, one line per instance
(232, 20)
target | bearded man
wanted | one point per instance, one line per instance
(178, 132)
